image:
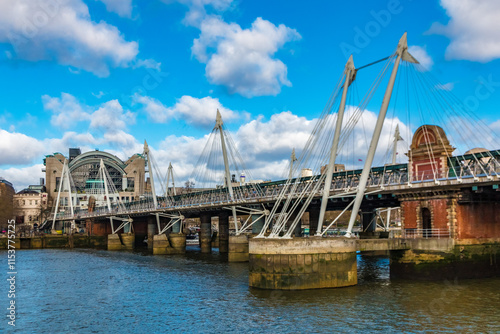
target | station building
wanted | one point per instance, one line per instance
(128, 177)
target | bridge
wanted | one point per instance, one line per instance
(438, 192)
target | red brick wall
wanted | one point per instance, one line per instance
(478, 220)
(426, 167)
(438, 207)
(410, 218)
(440, 213)
(101, 228)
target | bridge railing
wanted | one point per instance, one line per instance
(426, 233)
(344, 181)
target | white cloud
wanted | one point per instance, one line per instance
(120, 7)
(495, 126)
(422, 56)
(21, 178)
(66, 111)
(99, 95)
(63, 31)
(155, 110)
(199, 112)
(472, 29)
(447, 86)
(17, 148)
(275, 138)
(148, 63)
(242, 59)
(111, 117)
(198, 9)
(120, 139)
(202, 111)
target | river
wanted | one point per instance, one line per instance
(93, 291)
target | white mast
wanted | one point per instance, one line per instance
(293, 158)
(402, 53)
(350, 72)
(397, 138)
(151, 179)
(218, 124)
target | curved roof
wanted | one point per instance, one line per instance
(95, 157)
(476, 150)
(435, 132)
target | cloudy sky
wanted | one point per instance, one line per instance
(109, 74)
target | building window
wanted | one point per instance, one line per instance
(24, 202)
(36, 202)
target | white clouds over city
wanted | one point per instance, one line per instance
(243, 60)
(195, 111)
(472, 29)
(63, 31)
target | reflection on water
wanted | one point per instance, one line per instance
(63, 291)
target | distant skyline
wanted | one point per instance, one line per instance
(110, 74)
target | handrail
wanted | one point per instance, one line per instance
(426, 233)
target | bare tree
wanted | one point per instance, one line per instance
(188, 186)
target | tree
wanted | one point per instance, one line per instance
(188, 186)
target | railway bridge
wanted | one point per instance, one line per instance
(448, 202)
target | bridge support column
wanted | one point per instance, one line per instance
(257, 227)
(313, 220)
(128, 241)
(238, 248)
(176, 228)
(161, 245)
(223, 232)
(177, 242)
(206, 233)
(369, 225)
(302, 263)
(151, 233)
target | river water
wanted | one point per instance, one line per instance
(92, 291)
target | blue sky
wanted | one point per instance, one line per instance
(108, 74)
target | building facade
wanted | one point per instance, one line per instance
(127, 177)
(31, 206)
(6, 199)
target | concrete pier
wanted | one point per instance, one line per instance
(438, 259)
(128, 241)
(177, 243)
(114, 242)
(238, 248)
(160, 244)
(302, 263)
(125, 241)
(206, 233)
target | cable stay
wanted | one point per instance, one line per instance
(66, 184)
